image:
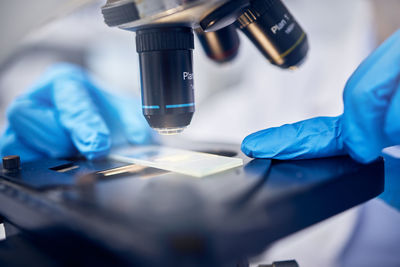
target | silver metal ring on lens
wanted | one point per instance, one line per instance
(170, 131)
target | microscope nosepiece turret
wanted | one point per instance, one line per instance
(165, 43)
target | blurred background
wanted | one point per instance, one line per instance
(232, 100)
(238, 98)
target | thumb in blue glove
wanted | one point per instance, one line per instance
(370, 121)
(66, 113)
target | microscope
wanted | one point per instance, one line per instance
(165, 42)
(107, 212)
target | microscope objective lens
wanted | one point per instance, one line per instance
(166, 69)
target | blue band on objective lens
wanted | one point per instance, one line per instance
(180, 105)
(151, 107)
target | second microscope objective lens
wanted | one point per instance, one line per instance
(275, 32)
(166, 72)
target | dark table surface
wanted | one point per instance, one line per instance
(152, 217)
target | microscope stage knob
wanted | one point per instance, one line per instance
(11, 163)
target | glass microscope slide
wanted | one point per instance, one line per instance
(182, 161)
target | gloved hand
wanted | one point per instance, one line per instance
(66, 114)
(369, 123)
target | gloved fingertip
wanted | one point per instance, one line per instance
(137, 131)
(363, 156)
(245, 148)
(251, 143)
(392, 122)
(92, 144)
(96, 155)
(364, 159)
(139, 137)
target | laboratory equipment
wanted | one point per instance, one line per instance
(165, 43)
(106, 212)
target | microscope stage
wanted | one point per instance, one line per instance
(214, 221)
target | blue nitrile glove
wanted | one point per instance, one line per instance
(369, 123)
(66, 114)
